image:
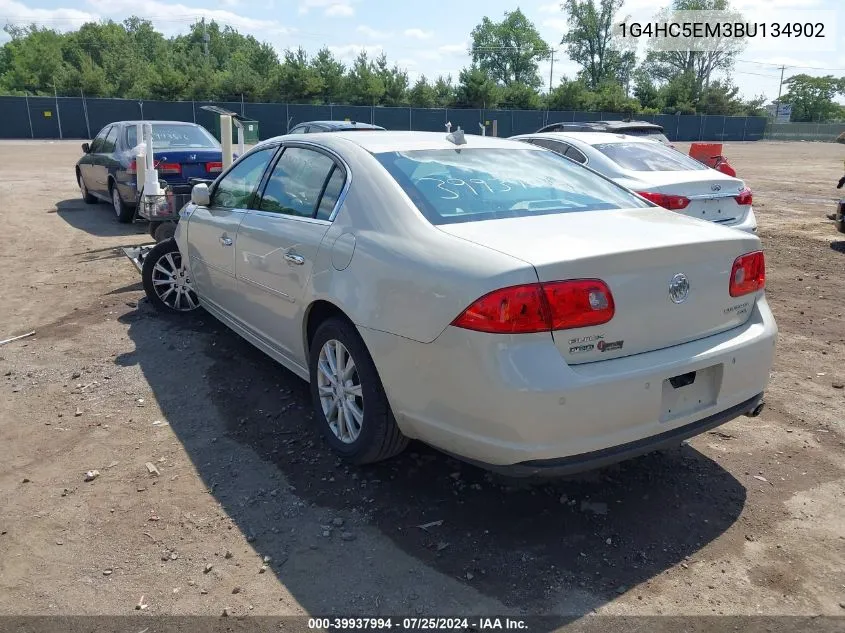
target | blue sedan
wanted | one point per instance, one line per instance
(181, 151)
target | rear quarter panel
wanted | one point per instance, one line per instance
(405, 277)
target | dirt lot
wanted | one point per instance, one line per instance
(747, 519)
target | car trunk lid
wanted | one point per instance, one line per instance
(193, 163)
(639, 254)
(711, 194)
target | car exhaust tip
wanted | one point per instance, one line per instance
(753, 413)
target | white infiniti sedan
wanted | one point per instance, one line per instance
(480, 294)
(659, 173)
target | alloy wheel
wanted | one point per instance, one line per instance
(340, 391)
(172, 283)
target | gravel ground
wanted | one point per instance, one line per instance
(250, 512)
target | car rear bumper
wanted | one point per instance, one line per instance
(747, 224)
(512, 401)
(614, 454)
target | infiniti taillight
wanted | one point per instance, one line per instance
(748, 274)
(665, 200)
(214, 168)
(744, 197)
(133, 168)
(540, 307)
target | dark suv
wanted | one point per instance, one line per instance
(632, 128)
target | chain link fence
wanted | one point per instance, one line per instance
(82, 118)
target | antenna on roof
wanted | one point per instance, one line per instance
(457, 137)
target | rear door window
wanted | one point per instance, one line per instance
(297, 182)
(110, 141)
(648, 157)
(575, 155)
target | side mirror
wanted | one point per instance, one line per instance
(86, 148)
(200, 195)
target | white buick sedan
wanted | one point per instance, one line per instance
(659, 173)
(485, 296)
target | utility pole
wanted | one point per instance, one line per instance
(551, 71)
(780, 87)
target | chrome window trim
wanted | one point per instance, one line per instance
(340, 199)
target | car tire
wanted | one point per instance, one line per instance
(378, 436)
(124, 212)
(86, 195)
(164, 231)
(167, 282)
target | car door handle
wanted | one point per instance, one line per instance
(225, 241)
(293, 258)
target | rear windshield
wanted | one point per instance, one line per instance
(657, 136)
(467, 185)
(648, 157)
(172, 136)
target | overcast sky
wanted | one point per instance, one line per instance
(431, 37)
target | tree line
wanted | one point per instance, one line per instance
(215, 62)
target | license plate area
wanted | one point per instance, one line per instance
(713, 209)
(689, 392)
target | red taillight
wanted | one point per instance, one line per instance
(557, 305)
(579, 303)
(214, 168)
(748, 274)
(673, 203)
(744, 197)
(169, 168)
(133, 168)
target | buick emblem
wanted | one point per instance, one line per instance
(679, 288)
(193, 157)
(716, 187)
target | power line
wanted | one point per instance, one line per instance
(773, 65)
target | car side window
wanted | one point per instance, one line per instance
(556, 147)
(235, 189)
(299, 129)
(297, 182)
(111, 141)
(575, 155)
(97, 143)
(331, 193)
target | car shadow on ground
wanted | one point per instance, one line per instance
(522, 543)
(838, 246)
(96, 219)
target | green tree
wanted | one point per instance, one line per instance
(646, 91)
(520, 97)
(571, 95)
(590, 40)
(331, 72)
(509, 51)
(812, 98)
(678, 94)
(297, 81)
(721, 97)
(395, 82)
(444, 91)
(702, 60)
(34, 60)
(364, 85)
(476, 89)
(611, 97)
(422, 95)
